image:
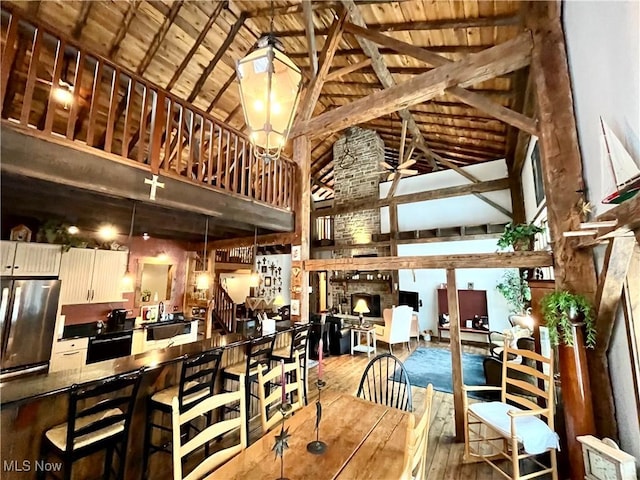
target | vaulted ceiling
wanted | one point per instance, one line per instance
(190, 48)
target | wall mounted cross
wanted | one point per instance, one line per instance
(153, 181)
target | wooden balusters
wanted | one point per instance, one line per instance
(31, 77)
(8, 55)
(124, 151)
(77, 99)
(113, 104)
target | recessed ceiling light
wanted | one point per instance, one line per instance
(73, 230)
(107, 232)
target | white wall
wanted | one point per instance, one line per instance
(237, 283)
(448, 212)
(428, 281)
(603, 45)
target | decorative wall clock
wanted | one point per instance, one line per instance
(603, 460)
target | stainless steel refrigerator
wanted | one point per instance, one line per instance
(28, 310)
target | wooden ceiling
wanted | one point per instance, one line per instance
(190, 47)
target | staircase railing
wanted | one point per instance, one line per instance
(224, 310)
(59, 90)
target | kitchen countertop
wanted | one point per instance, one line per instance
(24, 389)
(83, 330)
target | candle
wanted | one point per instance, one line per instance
(283, 382)
(320, 360)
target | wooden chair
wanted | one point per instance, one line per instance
(206, 408)
(299, 342)
(271, 397)
(99, 419)
(417, 440)
(397, 326)
(500, 428)
(385, 381)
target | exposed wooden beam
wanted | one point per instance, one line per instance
(627, 214)
(471, 98)
(224, 88)
(562, 166)
(260, 240)
(444, 49)
(159, 37)
(337, 73)
(307, 10)
(502, 58)
(380, 68)
(315, 87)
(456, 354)
(300, 282)
(203, 33)
(446, 192)
(81, 21)
(216, 58)
(476, 260)
(123, 28)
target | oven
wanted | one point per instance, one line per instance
(109, 345)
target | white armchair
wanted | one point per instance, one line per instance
(397, 326)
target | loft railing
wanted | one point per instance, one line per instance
(121, 115)
(235, 255)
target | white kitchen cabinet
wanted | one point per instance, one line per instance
(30, 259)
(68, 354)
(91, 276)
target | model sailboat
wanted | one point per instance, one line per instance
(626, 173)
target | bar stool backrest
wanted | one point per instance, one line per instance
(385, 381)
(259, 352)
(197, 378)
(102, 405)
(299, 337)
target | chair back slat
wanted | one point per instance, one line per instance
(183, 448)
(417, 441)
(198, 375)
(519, 380)
(259, 351)
(88, 399)
(385, 381)
(269, 398)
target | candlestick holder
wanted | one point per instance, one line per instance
(317, 446)
(282, 439)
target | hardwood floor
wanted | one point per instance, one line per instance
(444, 457)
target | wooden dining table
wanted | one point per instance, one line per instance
(365, 441)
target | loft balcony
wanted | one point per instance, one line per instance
(71, 117)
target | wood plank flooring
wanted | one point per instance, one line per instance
(444, 457)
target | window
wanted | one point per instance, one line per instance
(538, 183)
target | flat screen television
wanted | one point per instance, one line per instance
(409, 298)
(373, 302)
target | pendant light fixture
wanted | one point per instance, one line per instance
(202, 281)
(270, 86)
(127, 280)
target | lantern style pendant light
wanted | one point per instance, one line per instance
(270, 86)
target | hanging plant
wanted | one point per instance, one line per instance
(519, 236)
(561, 311)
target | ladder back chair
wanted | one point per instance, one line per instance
(206, 407)
(385, 381)
(258, 357)
(299, 342)
(99, 418)
(271, 398)
(197, 382)
(417, 441)
(516, 427)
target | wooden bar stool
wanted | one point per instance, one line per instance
(259, 352)
(299, 342)
(197, 380)
(99, 419)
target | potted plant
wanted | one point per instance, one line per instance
(563, 311)
(519, 236)
(515, 289)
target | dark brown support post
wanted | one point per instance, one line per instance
(562, 167)
(300, 282)
(393, 241)
(456, 352)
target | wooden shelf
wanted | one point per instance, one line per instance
(350, 280)
(467, 330)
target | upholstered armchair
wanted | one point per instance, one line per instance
(397, 326)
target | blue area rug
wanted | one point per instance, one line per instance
(433, 366)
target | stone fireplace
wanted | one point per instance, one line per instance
(357, 172)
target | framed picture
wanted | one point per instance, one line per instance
(263, 269)
(538, 183)
(267, 281)
(295, 306)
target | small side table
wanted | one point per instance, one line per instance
(370, 335)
